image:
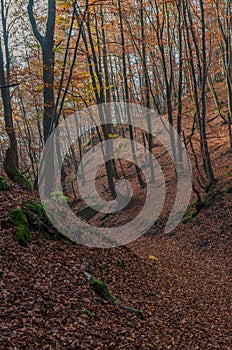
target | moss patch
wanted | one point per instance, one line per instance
(19, 220)
(4, 186)
(38, 221)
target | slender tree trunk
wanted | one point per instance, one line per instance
(180, 81)
(203, 100)
(126, 89)
(147, 90)
(48, 53)
(96, 78)
(6, 99)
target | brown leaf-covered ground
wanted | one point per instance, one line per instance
(185, 295)
(181, 282)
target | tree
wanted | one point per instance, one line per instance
(11, 164)
(224, 15)
(48, 54)
(199, 78)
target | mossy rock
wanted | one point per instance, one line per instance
(38, 221)
(28, 215)
(38, 210)
(19, 220)
(4, 186)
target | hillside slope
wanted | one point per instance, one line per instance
(181, 282)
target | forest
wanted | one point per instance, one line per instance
(116, 174)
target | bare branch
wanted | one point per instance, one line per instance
(36, 32)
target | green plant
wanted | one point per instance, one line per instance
(89, 313)
(57, 195)
(120, 262)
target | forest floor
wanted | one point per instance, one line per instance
(182, 282)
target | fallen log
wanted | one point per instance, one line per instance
(102, 290)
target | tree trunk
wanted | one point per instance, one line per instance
(47, 46)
